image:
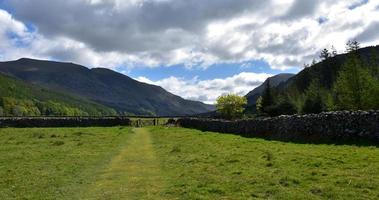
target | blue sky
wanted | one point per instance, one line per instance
(188, 47)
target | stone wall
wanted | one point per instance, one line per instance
(333, 127)
(22, 122)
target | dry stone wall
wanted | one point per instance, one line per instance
(22, 122)
(335, 127)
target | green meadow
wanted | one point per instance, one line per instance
(178, 163)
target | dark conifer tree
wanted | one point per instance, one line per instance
(324, 55)
(267, 97)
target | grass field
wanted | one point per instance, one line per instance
(176, 163)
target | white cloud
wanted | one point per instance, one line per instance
(208, 90)
(284, 33)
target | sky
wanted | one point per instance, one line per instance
(193, 48)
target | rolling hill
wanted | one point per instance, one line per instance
(103, 86)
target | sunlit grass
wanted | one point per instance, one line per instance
(177, 163)
(204, 165)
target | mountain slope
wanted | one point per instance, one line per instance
(103, 86)
(253, 95)
(21, 98)
(324, 73)
(327, 71)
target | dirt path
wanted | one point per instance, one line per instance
(132, 174)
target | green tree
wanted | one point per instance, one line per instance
(258, 104)
(1, 111)
(356, 88)
(313, 101)
(374, 63)
(231, 106)
(267, 97)
(284, 107)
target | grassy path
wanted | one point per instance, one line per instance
(132, 174)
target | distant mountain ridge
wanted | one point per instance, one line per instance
(104, 86)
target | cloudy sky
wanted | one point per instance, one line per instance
(194, 48)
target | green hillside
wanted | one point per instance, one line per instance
(103, 86)
(18, 98)
(338, 82)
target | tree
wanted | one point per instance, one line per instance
(284, 107)
(313, 100)
(258, 104)
(231, 106)
(374, 63)
(1, 111)
(313, 105)
(333, 52)
(356, 88)
(324, 55)
(314, 62)
(352, 46)
(267, 97)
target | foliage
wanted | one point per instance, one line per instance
(313, 100)
(324, 55)
(17, 107)
(344, 82)
(258, 104)
(21, 99)
(284, 107)
(231, 106)
(352, 46)
(356, 88)
(267, 97)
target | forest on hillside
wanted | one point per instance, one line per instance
(347, 82)
(327, 85)
(18, 98)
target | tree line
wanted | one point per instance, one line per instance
(355, 86)
(22, 107)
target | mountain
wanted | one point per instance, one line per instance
(19, 98)
(327, 71)
(253, 95)
(323, 73)
(103, 86)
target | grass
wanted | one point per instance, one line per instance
(203, 165)
(177, 163)
(132, 174)
(56, 163)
